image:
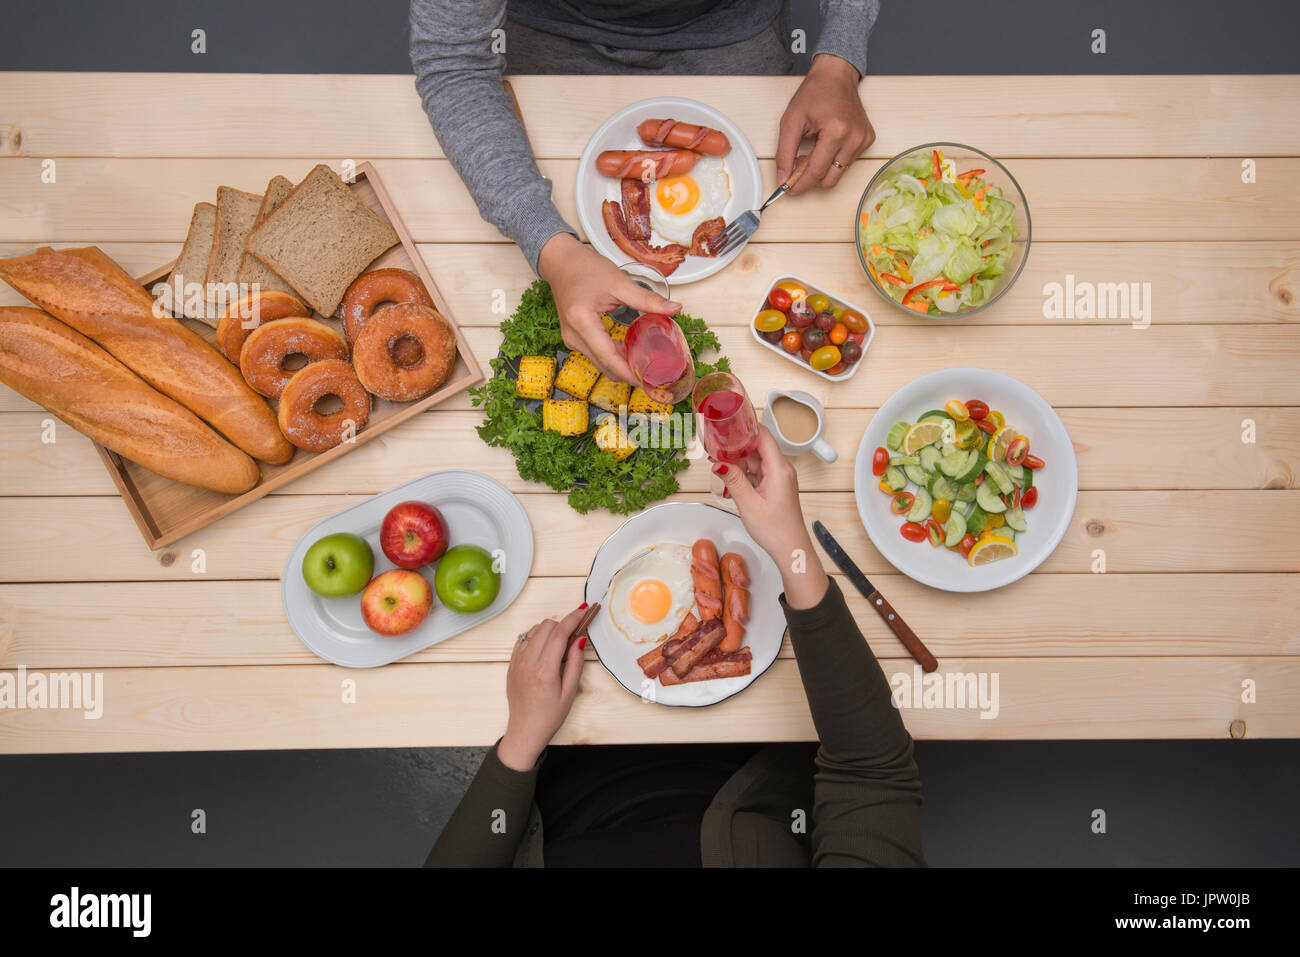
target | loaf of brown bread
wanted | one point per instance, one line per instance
(61, 370)
(91, 293)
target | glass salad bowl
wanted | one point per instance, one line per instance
(946, 245)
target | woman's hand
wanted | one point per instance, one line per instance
(541, 683)
(826, 107)
(768, 501)
(586, 284)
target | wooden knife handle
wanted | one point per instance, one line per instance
(904, 632)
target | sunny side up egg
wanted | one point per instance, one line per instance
(680, 203)
(651, 595)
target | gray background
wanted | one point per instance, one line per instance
(1000, 803)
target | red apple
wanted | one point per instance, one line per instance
(396, 602)
(413, 534)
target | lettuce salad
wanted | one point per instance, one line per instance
(936, 240)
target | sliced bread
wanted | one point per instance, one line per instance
(252, 271)
(320, 238)
(236, 213)
(192, 266)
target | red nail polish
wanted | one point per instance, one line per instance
(582, 642)
(726, 493)
(720, 469)
(583, 605)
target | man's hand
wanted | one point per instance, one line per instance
(586, 284)
(825, 107)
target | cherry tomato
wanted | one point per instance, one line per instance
(851, 352)
(913, 532)
(799, 313)
(966, 435)
(839, 332)
(1017, 450)
(825, 321)
(856, 337)
(934, 531)
(1015, 498)
(957, 409)
(856, 321)
(837, 312)
(825, 357)
(806, 353)
(879, 461)
(792, 342)
(780, 299)
(941, 508)
(796, 291)
(1033, 462)
(818, 303)
(837, 368)
(769, 320)
(967, 543)
(773, 336)
(987, 425)
(813, 338)
(977, 409)
(902, 502)
(1030, 498)
(997, 418)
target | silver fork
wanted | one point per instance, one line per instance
(746, 224)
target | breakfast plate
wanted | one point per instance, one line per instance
(1057, 481)
(682, 523)
(478, 511)
(743, 179)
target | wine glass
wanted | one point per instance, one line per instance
(656, 348)
(727, 425)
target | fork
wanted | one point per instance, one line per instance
(746, 224)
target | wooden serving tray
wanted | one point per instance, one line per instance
(165, 510)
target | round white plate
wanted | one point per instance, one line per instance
(478, 511)
(619, 133)
(684, 523)
(1058, 482)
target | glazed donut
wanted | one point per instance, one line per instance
(310, 429)
(250, 312)
(261, 359)
(375, 289)
(404, 352)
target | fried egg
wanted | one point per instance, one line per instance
(680, 203)
(650, 596)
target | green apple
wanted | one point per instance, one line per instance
(338, 565)
(465, 580)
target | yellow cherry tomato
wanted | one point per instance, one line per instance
(823, 358)
(941, 509)
(997, 418)
(957, 409)
(818, 303)
(795, 290)
(769, 320)
(967, 435)
(996, 520)
(837, 312)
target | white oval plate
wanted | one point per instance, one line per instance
(619, 133)
(683, 523)
(1026, 411)
(478, 510)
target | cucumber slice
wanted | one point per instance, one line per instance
(999, 478)
(953, 464)
(956, 529)
(941, 487)
(975, 461)
(896, 432)
(966, 493)
(895, 479)
(1016, 519)
(930, 458)
(986, 497)
(1015, 472)
(921, 507)
(1006, 531)
(976, 521)
(947, 448)
(901, 460)
(934, 414)
(917, 475)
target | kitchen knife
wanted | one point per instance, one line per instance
(877, 601)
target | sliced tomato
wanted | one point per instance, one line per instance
(1017, 450)
(1033, 462)
(966, 544)
(1016, 499)
(987, 425)
(913, 532)
(934, 531)
(977, 409)
(879, 461)
(1030, 498)
(902, 503)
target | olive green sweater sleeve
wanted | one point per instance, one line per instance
(867, 792)
(490, 822)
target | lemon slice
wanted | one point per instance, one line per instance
(922, 434)
(998, 442)
(990, 549)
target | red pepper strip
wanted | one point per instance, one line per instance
(890, 277)
(911, 293)
(938, 173)
(968, 174)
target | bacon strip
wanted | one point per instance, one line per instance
(708, 580)
(735, 612)
(656, 660)
(710, 667)
(636, 209)
(704, 239)
(664, 258)
(707, 637)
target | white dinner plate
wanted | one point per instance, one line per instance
(1058, 482)
(478, 510)
(683, 523)
(619, 133)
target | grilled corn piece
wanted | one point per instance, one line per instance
(613, 440)
(536, 377)
(617, 331)
(609, 394)
(641, 402)
(577, 376)
(566, 416)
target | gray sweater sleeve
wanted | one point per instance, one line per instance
(458, 77)
(846, 26)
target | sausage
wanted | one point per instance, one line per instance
(685, 136)
(666, 259)
(735, 611)
(708, 580)
(707, 637)
(645, 165)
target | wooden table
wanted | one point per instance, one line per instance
(1129, 179)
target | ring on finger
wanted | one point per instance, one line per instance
(837, 164)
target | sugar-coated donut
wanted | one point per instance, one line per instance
(261, 359)
(246, 315)
(404, 352)
(372, 290)
(315, 431)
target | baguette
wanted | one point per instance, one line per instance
(93, 295)
(61, 370)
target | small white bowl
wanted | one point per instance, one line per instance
(796, 358)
